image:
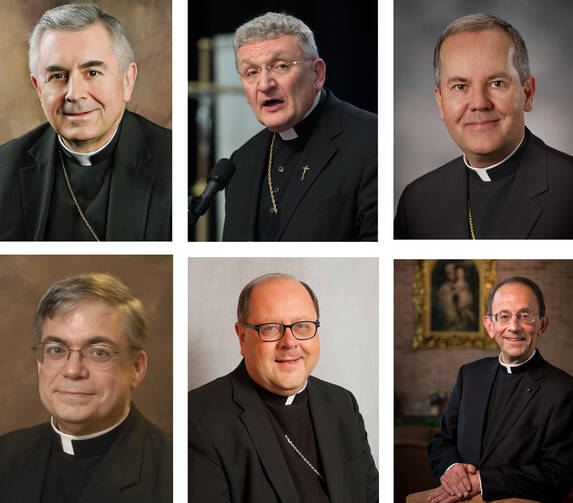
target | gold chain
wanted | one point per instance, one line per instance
(275, 209)
(471, 222)
(74, 198)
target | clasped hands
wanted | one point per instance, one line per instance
(458, 483)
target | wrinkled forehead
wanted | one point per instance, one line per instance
(264, 50)
(515, 296)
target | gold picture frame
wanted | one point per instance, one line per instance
(450, 301)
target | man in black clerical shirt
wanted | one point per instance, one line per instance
(90, 335)
(269, 431)
(96, 171)
(311, 174)
(508, 427)
(508, 183)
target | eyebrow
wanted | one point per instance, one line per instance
(97, 339)
(493, 76)
(272, 55)
(87, 64)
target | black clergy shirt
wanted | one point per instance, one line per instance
(67, 475)
(90, 185)
(288, 167)
(294, 420)
(488, 198)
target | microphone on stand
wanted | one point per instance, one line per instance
(217, 180)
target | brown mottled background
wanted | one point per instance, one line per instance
(24, 278)
(148, 27)
(418, 372)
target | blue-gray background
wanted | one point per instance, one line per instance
(421, 140)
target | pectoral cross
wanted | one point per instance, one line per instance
(304, 170)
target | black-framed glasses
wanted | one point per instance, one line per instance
(271, 332)
(278, 69)
(99, 356)
(505, 317)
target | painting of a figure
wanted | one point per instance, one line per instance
(455, 296)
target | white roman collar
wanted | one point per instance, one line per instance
(290, 399)
(482, 172)
(290, 133)
(508, 367)
(84, 158)
(67, 445)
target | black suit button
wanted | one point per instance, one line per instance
(281, 169)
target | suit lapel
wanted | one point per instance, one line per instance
(450, 203)
(523, 394)
(120, 467)
(328, 444)
(36, 182)
(35, 471)
(131, 184)
(323, 135)
(521, 212)
(475, 418)
(256, 422)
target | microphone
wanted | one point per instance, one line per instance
(217, 180)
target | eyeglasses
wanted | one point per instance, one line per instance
(271, 332)
(55, 354)
(279, 69)
(504, 317)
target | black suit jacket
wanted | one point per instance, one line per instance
(539, 205)
(139, 205)
(137, 469)
(338, 200)
(234, 455)
(531, 454)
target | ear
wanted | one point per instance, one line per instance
(240, 331)
(36, 85)
(438, 96)
(129, 81)
(544, 325)
(488, 324)
(319, 68)
(139, 368)
(529, 91)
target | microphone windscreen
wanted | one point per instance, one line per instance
(222, 173)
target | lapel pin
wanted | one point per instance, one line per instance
(304, 170)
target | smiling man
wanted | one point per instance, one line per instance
(508, 427)
(269, 431)
(90, 335)
(311, 174)
(95, 171)
(508, 183)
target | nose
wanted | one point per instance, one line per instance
(288, 340)
(74, 368)
(513, 323)
(76, 87)
(266, 79)
(480, 99)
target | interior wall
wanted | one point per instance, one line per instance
(23, 280)
(417, 372)
(347, 291)
(148, 28)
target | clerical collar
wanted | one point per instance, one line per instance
(290, 133)
(72, 443)
(85, 159)
(517, 368)
(275, 399)
(488, 174)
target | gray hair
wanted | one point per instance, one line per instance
(482, 22)
(275, 25)
(65, 295)
(73, 17)
(245, 296)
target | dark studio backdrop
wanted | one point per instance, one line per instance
(345, 33)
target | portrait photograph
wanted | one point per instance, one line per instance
(421, 141)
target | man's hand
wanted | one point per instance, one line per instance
(459, 482)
